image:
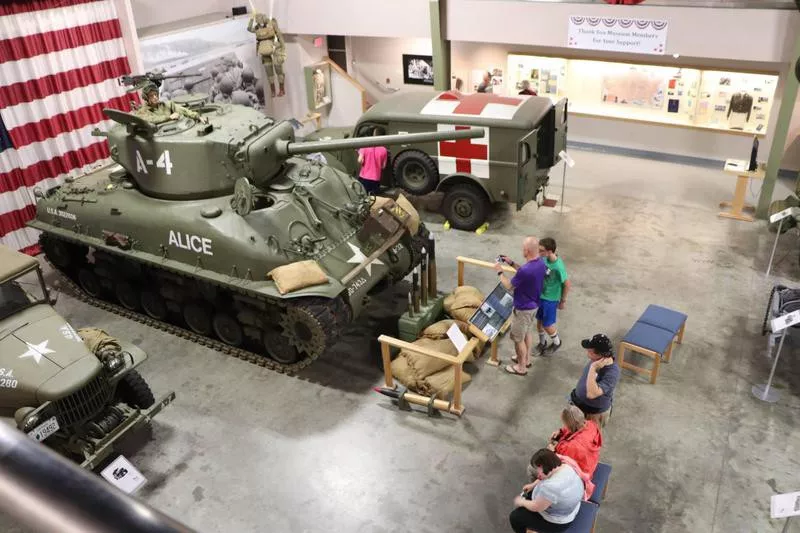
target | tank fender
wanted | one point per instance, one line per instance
(459, 178)
(137, 355)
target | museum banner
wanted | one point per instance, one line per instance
(637, 36)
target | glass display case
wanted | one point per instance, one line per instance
(735, 102)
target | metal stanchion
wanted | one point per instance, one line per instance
(774, 247)
(765, 392)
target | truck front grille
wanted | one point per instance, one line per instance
(85, 403)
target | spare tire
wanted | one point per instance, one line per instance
(134, 391)
(415, 172)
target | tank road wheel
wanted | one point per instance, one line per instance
(154, 305)
(465, 206)
(198, 317)
(134, 391)
(227, 329)
(127, 295)
(415, 172)
(90, 283)
(63, 255)
(278, 349)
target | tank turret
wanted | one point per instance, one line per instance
(184, 160)
(191, 227)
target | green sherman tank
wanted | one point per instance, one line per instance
(183, 231)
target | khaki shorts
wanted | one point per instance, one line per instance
(522, 323)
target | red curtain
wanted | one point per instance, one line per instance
(59, 64)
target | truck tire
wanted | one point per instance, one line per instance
(415, 172)
(134, 390)
(465, 206)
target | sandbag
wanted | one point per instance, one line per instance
(463, 314)
(403, 373)
(424, 365)
(438, 330)
(780, 205)
(98, 340)
(413, 216)
(442, 383)
(298, 275)
(464, 296)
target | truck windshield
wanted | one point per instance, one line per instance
(14, 299)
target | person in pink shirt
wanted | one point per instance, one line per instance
(373, 161)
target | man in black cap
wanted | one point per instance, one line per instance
(595, 389)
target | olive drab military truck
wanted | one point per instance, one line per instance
(524, 135)
(217, 232)
(54, 388)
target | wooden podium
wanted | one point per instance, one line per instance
(739, 167)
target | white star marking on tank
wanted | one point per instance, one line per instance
(37, 351)
(358, 257)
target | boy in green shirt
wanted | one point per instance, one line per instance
(554, 296)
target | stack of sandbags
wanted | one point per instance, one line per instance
(438, 331)
(462, 302)
(428, 375)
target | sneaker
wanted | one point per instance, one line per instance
(541, 347)
(551, 349)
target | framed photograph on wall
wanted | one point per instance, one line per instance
(318, 86)
(417, 70)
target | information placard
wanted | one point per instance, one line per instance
(123, 475)
(785, 505)
(493, 312)
(785, 321)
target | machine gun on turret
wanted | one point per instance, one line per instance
(137, 81)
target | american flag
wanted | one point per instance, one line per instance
(59, 65)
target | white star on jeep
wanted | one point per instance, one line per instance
(37, 351)
(358, 257)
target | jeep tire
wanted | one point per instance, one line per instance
(465, 206)
(134, 391)
(415, 172)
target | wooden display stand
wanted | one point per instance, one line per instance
(457, 363)
(462, 261)
(739, 167)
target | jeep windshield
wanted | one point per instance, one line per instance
(13, 298)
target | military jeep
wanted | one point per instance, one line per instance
(52, 386)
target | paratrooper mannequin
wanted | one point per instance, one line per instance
(270, 47)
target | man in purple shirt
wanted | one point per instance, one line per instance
(527, 288)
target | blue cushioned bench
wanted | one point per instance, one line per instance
(600, 480)
(584, 521)
(653, 335)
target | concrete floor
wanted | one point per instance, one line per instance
(245, 449)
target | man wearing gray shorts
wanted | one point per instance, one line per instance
(527, 288)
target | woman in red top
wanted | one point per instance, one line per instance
(579, 439)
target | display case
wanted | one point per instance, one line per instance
(735, 102)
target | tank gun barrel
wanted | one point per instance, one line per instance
(287, 148)
(155, 77)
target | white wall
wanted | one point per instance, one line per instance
(374, 60)
(376, 18)
(744, 34)
(154, 12)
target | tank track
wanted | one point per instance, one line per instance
(332, 315)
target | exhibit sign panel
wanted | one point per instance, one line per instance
(636, 36)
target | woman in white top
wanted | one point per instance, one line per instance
(550, 503)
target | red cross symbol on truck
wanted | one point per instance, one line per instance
(464, 151)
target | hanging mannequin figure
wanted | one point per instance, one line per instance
(270, 47)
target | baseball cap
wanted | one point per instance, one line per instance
(600, 344)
